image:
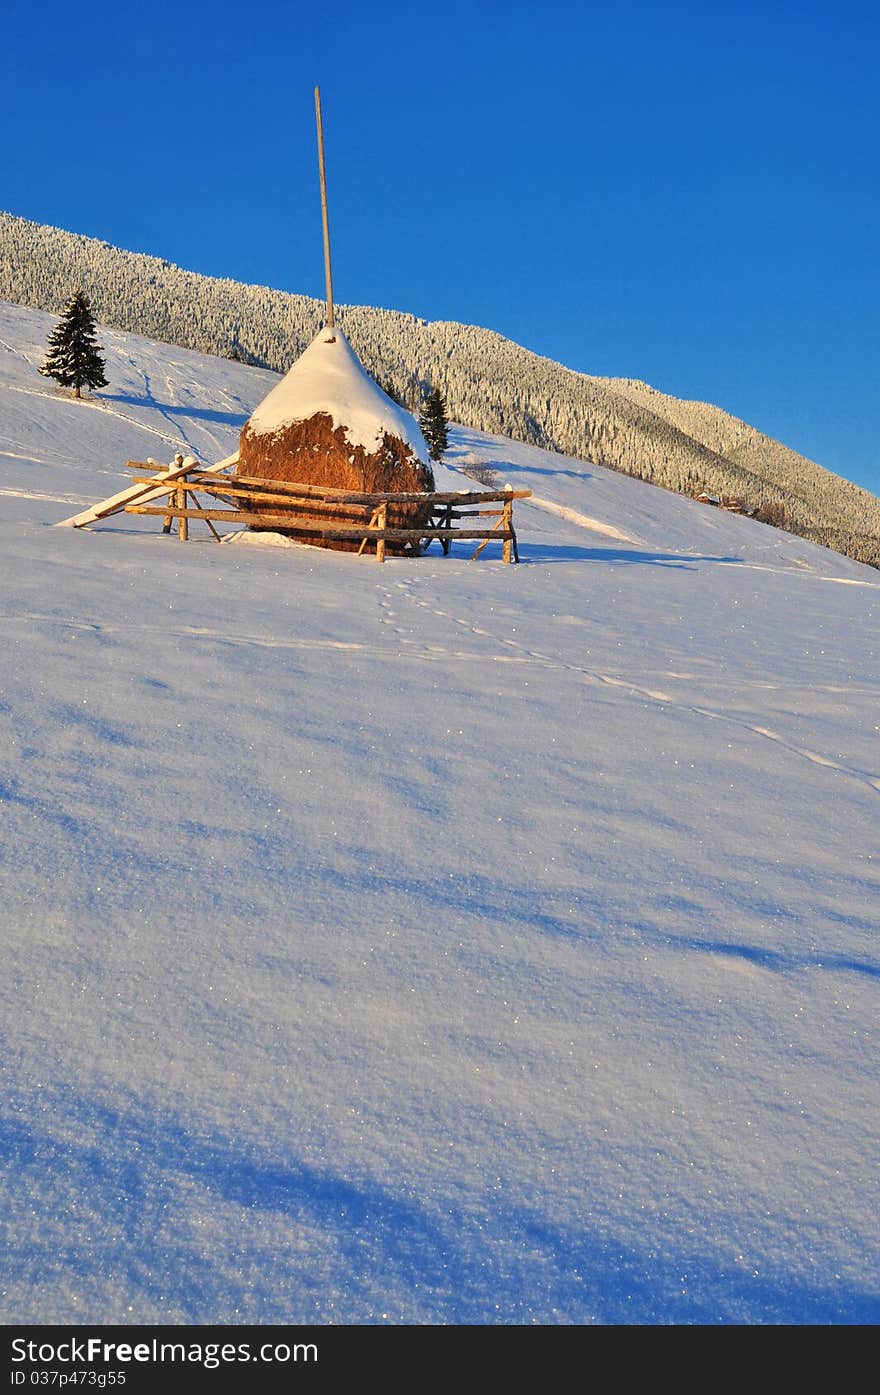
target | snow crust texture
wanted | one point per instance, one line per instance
(435, 942)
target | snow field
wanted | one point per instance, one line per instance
(435, 942)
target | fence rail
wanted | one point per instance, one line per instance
(260, 495)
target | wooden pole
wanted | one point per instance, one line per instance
(182, 520)
(461, 497)
(383, 523)
(373, 523)
(328, 275)
(352, 531)
(207, 520)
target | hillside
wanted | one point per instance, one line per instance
(435, 942)
(491, 384)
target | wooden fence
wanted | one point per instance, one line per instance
(249, 499)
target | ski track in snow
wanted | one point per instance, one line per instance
(784, 571)
(407, 651)
(100, 406)
(31, 459)
(581, 520)
(46, 498)
(652, 694)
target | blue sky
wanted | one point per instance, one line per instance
(682, 193)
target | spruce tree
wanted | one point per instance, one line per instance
(433, 421)
(73, 357)
(391, 391)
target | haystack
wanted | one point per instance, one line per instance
(328, 423)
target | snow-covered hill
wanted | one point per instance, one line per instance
(440, 941)
(490, 382)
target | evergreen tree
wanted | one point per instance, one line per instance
(73, 357)
(391, 391)
(433, 421)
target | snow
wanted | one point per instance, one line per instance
(429, 942)
(329, 378)
(583, 520)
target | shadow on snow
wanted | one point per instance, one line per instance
(423, 1257)
(178, 409)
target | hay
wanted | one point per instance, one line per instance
(328, 423)
(355, 441)
(316, 452)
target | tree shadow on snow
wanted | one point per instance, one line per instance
(544, 553)
(503, 468)
(178, 409)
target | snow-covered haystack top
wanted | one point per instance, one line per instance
(329, 378)
(328, 424)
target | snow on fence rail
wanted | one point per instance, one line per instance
(259, 503)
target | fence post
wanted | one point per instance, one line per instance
(380, 542)
(507, 523)
(446, 543)
(183, 521)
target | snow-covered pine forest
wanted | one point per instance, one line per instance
(490, 383)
